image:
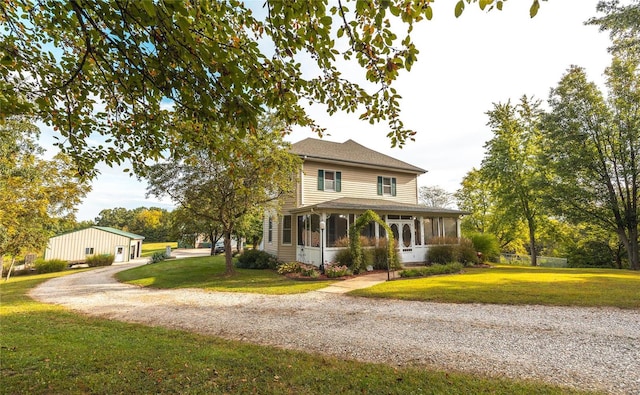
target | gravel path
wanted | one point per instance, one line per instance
(585, 348)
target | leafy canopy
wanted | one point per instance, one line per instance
(125, 73)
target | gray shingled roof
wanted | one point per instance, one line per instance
(350, 152)
(378, 205)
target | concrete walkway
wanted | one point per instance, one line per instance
(364, 281)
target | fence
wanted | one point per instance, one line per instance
(519, 259)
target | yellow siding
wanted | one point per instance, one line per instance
(357, 183)
(270, 247)
(71, 246)
(287, 252)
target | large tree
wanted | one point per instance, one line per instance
(37, 196)
(511, 164)
(487, 216)
(593, 145)
(123, 72)
(436, 196)
(263, 170)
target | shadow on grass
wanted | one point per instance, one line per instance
(209, 273)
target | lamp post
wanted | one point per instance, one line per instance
(322, 226)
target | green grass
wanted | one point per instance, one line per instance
(519, 285)
(209, 273)
(48, 350)
(149, 248)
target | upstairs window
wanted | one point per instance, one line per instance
(386, 186)
(329, 180)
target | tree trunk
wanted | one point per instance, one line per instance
(213, 244)
(634, 254)
(630, 243)
(13, 261)
(227, 254)
(532, 244)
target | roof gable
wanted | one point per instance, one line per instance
(349, 152)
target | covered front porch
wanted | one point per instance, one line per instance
(322, 229)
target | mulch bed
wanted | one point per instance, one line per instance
(323, 277)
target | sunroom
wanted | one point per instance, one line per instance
(321, 230)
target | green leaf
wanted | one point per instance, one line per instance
(533, 11)
(459, 8)
(326, 20)
(148, 7)
(428, 13)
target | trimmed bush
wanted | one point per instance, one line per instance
(344, 257)
(465, 253)
(379, 256)
(441, 254)
(289, 267)
(100, 260)
(158, 257)
(256, 259)
(49, 266)
(449, 268)
(334, 271)
(309, 272)
(486, 244)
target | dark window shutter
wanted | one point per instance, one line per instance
(321, 180)
(338, 184)
(379, 185)
(393, 186)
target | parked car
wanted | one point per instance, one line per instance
(219, 247)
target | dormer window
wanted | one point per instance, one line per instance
(329, 180)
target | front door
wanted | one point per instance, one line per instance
(403, 231)
(119, 255)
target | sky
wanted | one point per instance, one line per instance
(465, 65)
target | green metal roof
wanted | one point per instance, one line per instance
(119, 232)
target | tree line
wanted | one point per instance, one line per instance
(568, 176)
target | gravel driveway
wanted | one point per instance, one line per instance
(585, 348)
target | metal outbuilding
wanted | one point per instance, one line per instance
(77, 245)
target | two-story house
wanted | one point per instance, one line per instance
(338, 182)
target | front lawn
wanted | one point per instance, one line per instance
(149, 249)
(209, 273)
(519, 285)
(49, 350)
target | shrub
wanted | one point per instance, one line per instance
(256, 259)
(289, 267)
(344, 257)
(158, 257)
(441, 254)
(465, 253)
(380, 256)
(333, 271)
(486, 244)
(432, 270)
(100, 260)
(310, 271)
(49, 266)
